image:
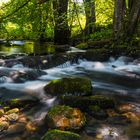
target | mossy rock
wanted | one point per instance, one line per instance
(61, 135)
(25, 102)
(65, 118)
(69, 87)
(82, 46)
(84, 103)
(100, 54)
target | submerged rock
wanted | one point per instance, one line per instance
(61, 135)
(69, 87)
(65, 118)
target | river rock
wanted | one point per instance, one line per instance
(132, 117)
(69, 87)
(1, 112)
(4, 125)
(15, 110)
(13, 98)
(65, 118)
(26, 101)
(31, 127)
(12, 117)
(84, 103)
(61, 135)
(16, 128)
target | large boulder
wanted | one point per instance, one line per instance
(61, 135)
(69, 86)
(65, 118)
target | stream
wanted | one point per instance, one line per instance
(119, 77)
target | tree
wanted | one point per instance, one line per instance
(90, 16)
(126, 17)
(61, 28)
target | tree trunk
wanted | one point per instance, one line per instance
(61, 29)
(90, 16)
(119, 14)
(126, 23)
(133, 18)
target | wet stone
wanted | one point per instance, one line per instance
(4, 125)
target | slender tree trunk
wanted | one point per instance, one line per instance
(90, 16)
(119, 15)
(61, 29)
(133, 18)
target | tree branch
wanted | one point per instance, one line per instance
(16, 10)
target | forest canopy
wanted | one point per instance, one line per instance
(60, 20)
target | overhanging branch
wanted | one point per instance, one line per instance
(16, 10)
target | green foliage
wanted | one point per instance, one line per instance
(103, 34)
(35, 21)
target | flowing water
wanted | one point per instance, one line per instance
(117, 76)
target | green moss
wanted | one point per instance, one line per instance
(58, 110)
(82, 46)
(95, 108)
(69, 86)
(61, 135)
(22, 102)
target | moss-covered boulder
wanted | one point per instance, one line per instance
(84, 103)
(65, 118)
(69, 86)
(61, 135)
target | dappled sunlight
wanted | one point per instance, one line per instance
(3, 1)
